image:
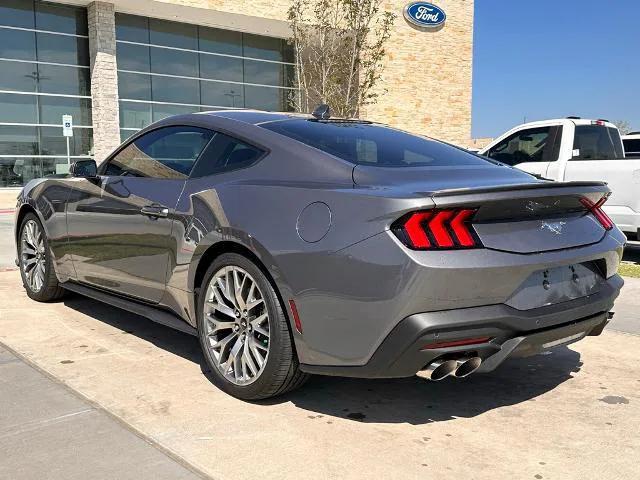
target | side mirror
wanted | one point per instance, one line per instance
(84, 169)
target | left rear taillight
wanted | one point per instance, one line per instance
(447, 229)
(596, 210)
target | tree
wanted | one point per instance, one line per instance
(339, 51)
(623, 126)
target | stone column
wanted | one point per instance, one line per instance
(104, 78)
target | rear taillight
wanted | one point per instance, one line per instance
(596, 210)
(447, 229)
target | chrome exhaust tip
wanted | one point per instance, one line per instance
(466, 366)
(438, 370)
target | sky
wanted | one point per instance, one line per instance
(548, 59)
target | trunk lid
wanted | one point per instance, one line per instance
(516, 212)
(531, 218)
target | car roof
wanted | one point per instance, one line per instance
(255, 117)
(561, 121)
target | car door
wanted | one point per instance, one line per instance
(119, 224)
(530, 149)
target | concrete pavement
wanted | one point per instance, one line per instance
(7, 244)
(47, 432)
(8, 198)
(627, 308)
(570, 414)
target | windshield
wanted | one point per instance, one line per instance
(596, 142)
(373, 145)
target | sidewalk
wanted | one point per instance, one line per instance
(47, 432)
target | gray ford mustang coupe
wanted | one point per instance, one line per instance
(298, 244)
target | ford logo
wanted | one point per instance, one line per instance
(424, 15)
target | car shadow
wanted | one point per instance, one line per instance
(418, 401)
(407, 400)
(174, 341)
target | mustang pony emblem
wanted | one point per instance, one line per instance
(553, 227)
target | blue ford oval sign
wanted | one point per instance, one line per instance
(424, 15)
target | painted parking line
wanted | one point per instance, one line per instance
(7, 210)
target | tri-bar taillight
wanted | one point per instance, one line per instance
(596, 211)
(446, 229)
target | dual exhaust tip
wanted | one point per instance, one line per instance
(460, 368)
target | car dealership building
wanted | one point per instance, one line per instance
(117, 66)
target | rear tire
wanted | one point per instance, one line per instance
(34, 258)
(244, 332)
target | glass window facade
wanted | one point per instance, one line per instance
(164, 68)
(168, 68)
(44, 74)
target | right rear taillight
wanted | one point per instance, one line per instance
(596, 210)
(447, 229)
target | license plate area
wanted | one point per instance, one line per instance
(557, 285)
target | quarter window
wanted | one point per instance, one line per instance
(225, 154)
(168, 153)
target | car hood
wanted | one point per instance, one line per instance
(430, 179)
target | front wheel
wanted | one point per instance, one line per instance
(36, 266)
(244, 332)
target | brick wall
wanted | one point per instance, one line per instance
(104, 78)
(428, 75)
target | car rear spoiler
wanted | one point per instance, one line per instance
(451, 197)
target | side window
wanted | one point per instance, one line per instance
(225, 154)
(168, 152)
(531, 145)
(632, 147)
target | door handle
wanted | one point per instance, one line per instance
(155, 210)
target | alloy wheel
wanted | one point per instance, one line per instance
(236, 325)
(32, 255)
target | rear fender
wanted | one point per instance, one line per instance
(230, 240)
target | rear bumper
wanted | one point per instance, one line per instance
(512, 333)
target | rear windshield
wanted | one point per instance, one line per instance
(373, 145)
(632, 147)
(596, 142)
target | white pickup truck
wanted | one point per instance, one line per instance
(576, 149)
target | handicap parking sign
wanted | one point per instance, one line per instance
(67, 125)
